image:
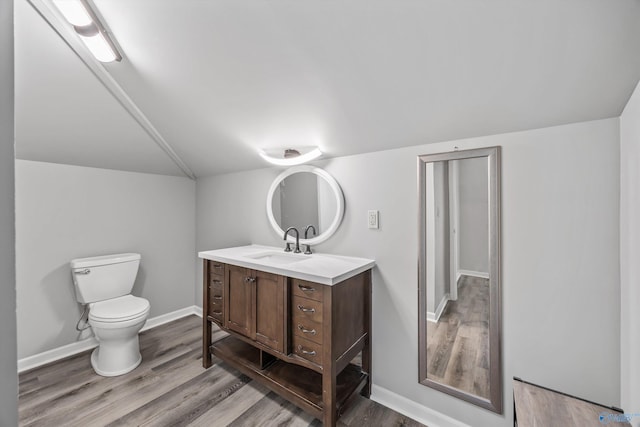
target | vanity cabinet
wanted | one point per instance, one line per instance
(299, 338)
(254, 305)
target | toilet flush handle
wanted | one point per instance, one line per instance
(85, 271)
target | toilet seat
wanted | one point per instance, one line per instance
(120, 309)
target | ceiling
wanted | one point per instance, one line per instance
(214, 80)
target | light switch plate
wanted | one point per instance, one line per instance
(372, 219)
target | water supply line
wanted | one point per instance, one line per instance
(86, 322)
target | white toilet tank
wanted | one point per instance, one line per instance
(104, 277)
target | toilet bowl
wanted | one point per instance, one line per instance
(116, 323)
(115, 316)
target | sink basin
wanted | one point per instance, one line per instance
(278, 258)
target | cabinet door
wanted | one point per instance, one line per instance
(270, 310)
(239, 300)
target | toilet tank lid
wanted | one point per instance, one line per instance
(103, 260)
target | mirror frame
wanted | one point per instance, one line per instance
(337, 192)
(495, 401)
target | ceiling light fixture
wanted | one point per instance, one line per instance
(89, 28)
(291, 157)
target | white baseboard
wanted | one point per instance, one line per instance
(197, 311)
(68, 350)
(170, 317)
(413, 409)
(52, 355)
(480, 274)
(434, 317)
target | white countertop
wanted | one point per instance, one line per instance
(321, 268)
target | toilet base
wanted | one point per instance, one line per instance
(95, 355)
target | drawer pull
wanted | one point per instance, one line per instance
(249, 279)
(218, 266)
(306, 288)
(217, 312)
(306, 310)
(217, 297)
(306, 331)
(217, 282)
(307, 352)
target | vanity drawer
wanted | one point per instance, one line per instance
(216, 312)
(216, 303)
(307, 349)
(216, 306)
(304, 309)
(216, 268)
(305, 289)
(215, 284)
(306, 328)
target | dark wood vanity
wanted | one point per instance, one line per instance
(298, 338)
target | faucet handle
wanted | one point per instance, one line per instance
(307, 249)
(288, 247)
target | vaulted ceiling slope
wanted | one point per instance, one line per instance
(219, 79)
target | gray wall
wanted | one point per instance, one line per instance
(8, 375)
(629, 254)
(473, 185)
(65, 212)
(560, 264)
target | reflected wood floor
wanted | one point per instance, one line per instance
(458, 344)
(169, 388)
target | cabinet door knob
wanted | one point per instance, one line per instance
(303, 351)
(306, 288)
(306, 310)
(306, 331)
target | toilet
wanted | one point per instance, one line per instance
(105, 284)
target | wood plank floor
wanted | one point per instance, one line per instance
(458, 344)
(169, 388)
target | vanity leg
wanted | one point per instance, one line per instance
(206, 343)
(329, 398)
(206, 324)
(330, 416)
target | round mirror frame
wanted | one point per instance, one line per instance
(337, 192)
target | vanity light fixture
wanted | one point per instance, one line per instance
(89, 28)
(291, 157)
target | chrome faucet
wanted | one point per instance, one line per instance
(288, 247)
(307, 250)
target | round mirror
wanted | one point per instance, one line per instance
(303, 196)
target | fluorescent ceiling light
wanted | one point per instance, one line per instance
(90, 30)
(99, 47)
(74, 12)
(291, 161)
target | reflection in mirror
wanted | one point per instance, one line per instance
(305, 196)
(459, 275)
(304, 199)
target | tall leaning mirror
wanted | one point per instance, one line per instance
(459, 275)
